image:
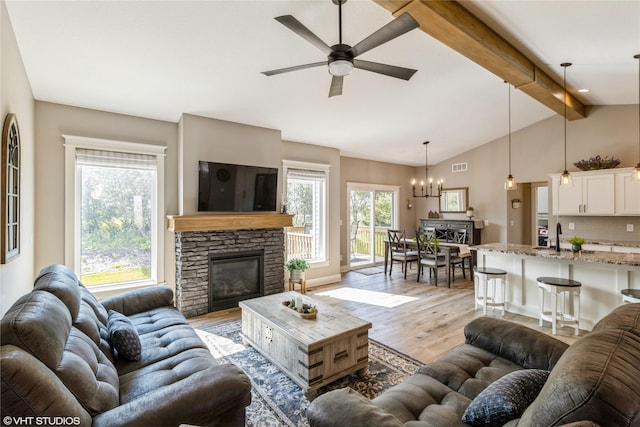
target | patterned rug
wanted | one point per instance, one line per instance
(278, 401)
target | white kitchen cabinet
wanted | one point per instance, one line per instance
(627, 193)
(590, 194)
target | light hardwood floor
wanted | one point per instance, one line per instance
(418, 319)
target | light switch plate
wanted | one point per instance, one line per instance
(572, 226)
(629, 227)
(486, 222)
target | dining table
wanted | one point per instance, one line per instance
(445, 248)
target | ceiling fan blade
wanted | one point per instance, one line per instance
(295, 68)
(297, 27)
(387, 70)
(336, 86)
(393, 29)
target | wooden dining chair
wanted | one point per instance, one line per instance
(400, 251)
(464, 254)
(428, 255)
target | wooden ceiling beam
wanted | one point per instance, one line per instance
(450, 23)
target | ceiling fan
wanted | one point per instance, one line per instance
(341, 58)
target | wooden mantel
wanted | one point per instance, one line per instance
(181, 223)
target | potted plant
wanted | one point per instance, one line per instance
(296, 266)
(470, 211)
(576, 243)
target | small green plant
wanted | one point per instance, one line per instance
(575, 240)
(297, 264)
(470, 208)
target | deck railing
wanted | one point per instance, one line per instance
(300, 245)
(362, 243)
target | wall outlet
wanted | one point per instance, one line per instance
(572, 226)
(513, 223)
(629, 227)
(486, 222)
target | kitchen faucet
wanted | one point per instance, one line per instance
(558, 233)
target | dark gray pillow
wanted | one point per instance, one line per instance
(124, 336)
(506, 398)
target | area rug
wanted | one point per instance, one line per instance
(278, 401)
(370, 271)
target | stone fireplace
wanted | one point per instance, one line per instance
(242, 254)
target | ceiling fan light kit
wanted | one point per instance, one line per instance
(341, 57)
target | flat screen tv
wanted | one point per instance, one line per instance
(224, 187)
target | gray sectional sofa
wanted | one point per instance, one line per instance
(595, 381)
(57, 361)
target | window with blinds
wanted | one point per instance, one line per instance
(116, 213)
(306, 199)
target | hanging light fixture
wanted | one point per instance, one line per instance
(429, 191)
(510, 183)
(636, 172)
(565, 178)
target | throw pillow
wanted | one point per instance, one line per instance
(124, 336)
(506, 398)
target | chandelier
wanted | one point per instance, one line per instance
(428, 191)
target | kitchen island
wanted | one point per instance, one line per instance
(603, 275)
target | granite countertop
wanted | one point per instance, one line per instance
(584, 256)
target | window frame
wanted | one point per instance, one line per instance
(316, 167)
(73, 195)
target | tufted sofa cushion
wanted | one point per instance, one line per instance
(57, 361)
(625, 317)
(438, 393)
(597, 379)
(40, 324)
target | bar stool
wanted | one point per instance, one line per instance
(558, 286)
(630, 295)
(482, 277)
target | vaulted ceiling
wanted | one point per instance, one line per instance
(162, 59)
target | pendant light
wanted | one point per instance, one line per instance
(510, 183)
(636, 172)
(565, 178)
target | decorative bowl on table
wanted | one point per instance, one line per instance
(597, 163)
(307, 311)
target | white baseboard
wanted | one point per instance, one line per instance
(325, 280)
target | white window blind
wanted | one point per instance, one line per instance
(89, 157)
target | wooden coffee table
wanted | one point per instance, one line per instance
(312, 352)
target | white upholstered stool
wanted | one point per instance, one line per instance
(483, 277)
(555, 286)
(630, 295)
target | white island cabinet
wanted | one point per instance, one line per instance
(602, 274)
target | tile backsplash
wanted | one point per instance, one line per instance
(611, 229)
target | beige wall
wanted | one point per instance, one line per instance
(212, 140)
(372, 172)
(16, 277)
(538, 150)
(55, 120)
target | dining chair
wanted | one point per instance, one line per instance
(400, 250)
(460, 238)
(428, 255)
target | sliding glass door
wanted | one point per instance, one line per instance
(372, 211)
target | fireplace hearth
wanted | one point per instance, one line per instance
(235, 276)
